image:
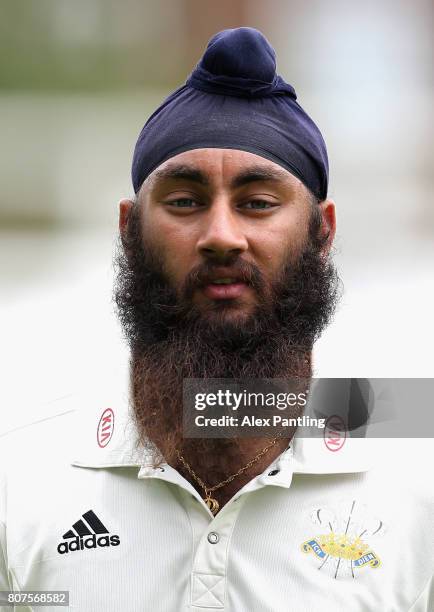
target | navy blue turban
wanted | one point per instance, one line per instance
(234, 99)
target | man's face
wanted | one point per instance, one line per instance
(224, 222)
(219, 215)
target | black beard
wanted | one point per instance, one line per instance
(172, 339)
(288, 318)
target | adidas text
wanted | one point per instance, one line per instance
(89, 542)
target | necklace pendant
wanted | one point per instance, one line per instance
(212, 504)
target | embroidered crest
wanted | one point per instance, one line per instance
(343, 548)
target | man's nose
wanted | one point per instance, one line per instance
(221, 233)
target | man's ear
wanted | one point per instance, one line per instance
(328, 214)
(125, 207)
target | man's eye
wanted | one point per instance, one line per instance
(183, 203)
(258, 205)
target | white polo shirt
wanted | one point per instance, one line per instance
(82, 510)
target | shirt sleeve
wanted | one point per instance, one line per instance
(4, 578)
(4, 581)
(425, 601)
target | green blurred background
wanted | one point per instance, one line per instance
(78, 80)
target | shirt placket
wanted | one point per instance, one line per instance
(209, 571)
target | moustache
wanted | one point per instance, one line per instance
(239, 270)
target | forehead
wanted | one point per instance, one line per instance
(223, 164)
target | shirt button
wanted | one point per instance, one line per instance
(213, 537)
(273, 472)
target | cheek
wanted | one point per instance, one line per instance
(176, 248)
(274, 245)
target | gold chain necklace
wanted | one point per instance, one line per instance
(211, 502)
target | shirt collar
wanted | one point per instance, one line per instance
(121, 449)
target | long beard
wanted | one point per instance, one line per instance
(172, 339)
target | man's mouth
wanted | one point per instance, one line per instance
(224, 281)
(224, 288)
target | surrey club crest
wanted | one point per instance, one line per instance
(342, 546)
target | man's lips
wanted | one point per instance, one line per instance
(224, 283)
(226, 291)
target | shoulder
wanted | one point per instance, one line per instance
(87, 429)
(403, 467)
(29, 451)
(32, 442)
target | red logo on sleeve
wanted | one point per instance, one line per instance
(105, 428)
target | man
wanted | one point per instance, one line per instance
(223, 272)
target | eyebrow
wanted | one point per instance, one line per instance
(193, 174)
(258, 173)
(182, 172)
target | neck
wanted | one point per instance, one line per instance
(215, 467)
(157, 395)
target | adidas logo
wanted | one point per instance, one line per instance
(84, 534)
